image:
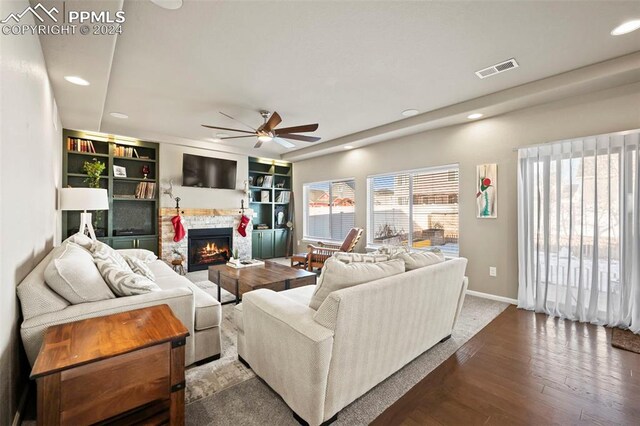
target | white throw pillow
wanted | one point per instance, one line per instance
(420, 259)
(361, 257)
(81, 240)
(146, 256)
(392, 251)
(139, 267)
(117, 273)
(106, 250)
(73, 275)
(337, 275)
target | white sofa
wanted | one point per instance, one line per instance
(321, 361)
(198, 311)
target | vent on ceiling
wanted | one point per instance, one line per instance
(497, 68)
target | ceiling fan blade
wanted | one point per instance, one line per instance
(300, 137)
(235, 119)
(297, 129)
(238, 137)
(258, 144)
(272, 122)
(226, 128)
(283, 142)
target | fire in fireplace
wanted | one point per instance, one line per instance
(208, 247)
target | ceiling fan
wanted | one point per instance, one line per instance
(267, 131)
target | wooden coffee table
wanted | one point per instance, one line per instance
(126, 367)
(272, 275)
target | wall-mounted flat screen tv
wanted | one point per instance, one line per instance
(207, 172)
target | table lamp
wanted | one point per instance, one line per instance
(84, 199)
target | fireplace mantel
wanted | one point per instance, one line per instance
(169, 211)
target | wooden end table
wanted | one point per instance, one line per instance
(124, 368)
(272, 275)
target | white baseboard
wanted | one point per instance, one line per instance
(17, 419)
(492, 297)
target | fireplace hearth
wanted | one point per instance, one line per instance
(206, 247)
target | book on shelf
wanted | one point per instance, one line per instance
(267, 182)
(80, 145)
(146, 190)
(125, 151)
(283, 197)
(264, 196)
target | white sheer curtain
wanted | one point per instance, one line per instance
(579, 229)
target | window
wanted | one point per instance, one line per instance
(329, 209)
(416, 208)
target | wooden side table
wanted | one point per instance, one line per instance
(126, 367)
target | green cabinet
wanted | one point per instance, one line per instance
(279, 242)
(147, 243)
(150, 244)
(262, 242)
(270, 183)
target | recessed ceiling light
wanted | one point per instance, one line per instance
(216, 140)
(626, 28)
(118, 115)
(168, 4)
(76, 80)
(222, 135)
(410, 112)
(348, 147)
(474, 116)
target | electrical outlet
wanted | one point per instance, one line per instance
(298, 242)
(492, 271)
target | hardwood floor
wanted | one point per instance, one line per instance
(526, 368)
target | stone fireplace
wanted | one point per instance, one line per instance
(196, 221)
(208, 246)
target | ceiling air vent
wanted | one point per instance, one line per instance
(497, 68)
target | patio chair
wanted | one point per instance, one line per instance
(318, 253)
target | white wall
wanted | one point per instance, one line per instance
(199, 198)
(30, 170)
(485, 242)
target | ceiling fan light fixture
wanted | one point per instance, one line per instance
(265, 138)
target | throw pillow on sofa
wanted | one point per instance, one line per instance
(420, 259)
(117, 273)
(146, 256)
(337, 275)
(139, 267)
(81, 240)
(361, 257)
(73, 275)
(392, 251)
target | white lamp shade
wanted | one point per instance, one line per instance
(83, 199)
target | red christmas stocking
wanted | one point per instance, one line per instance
(242, 227)
(178, 228)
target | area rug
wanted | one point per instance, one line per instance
(625, 339)
(225, 392)
(207, 379)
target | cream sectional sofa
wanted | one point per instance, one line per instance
(321, 361)
(198, 311)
